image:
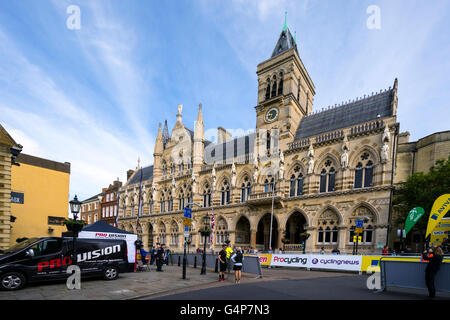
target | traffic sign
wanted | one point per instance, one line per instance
(188, 213)
(187, 222)
(359, 223)
(186, 231)
(359, 230)
(357, 238)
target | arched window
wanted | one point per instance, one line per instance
(268, 89)
(268, 185)
(358, 176)
(174, 234)
(320, 236)
(181, 201)
(292, 186)
(300, 184)
(246, 189)
(331, 179)
(207, 196)
(274, 87)
(280, 86)
(359, 214)
(327, 223)
(268, 140)
(364, 172)
(225, 193)
(327, 178)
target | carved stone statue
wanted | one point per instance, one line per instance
(386, 135)
(344, 159)
(281, 166)
(233, 175)
(311, 165)
(194, 182)
(311, 151)
(153, 189)
(213, 176)
(173, 184)
(384, 155)
(255, 169)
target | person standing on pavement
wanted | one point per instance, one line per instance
(159, 258)
(229, 253)
(222, 262)
(167, 254)
(153, 254)
(434, 258)
(237, 259)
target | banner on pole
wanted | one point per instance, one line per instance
(438, 211)
(413, 216)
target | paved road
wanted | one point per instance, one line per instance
(343, 287)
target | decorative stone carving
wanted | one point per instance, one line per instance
(194, 182)
(311, 159)
(384, 154)
(344, 155)
(233, 175)
(153, 189)
(213, 176)
(255, 169)
(281, 166)
(386, 135)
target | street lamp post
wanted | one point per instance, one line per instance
(205, 232)
(75, 209)
(271, 216)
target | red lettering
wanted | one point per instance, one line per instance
(55, 261)
(42, 265)
(66, 261)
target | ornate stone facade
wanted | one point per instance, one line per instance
(318, 172)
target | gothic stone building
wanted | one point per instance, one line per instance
(318, 171)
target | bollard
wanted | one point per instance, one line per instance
(179, 257)
(195, 261)
(217, 266)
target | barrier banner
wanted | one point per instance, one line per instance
(264, 258)
(290, 260)
(370, 262)
(336, 262)
(438, 211)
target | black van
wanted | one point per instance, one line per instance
(42, 259)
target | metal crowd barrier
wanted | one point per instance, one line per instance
(249, 265)
(411, 274)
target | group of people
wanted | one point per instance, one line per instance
(228, 255)
(334, 251)
(158, 255)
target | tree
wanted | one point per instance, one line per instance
(421, 190)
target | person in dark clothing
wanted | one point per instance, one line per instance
(237, 259)
(434, 258)
(160, 257)
(222, 262)
(152, 255)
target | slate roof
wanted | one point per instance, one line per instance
(360, 111)
(147, 174)
(285, 42)
(93, 197)
(233, 148)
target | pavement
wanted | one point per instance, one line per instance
(276, 284)
(128, 286)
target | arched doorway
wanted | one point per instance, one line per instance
(295, 226)
(263, 233)
(242, 238)
(150, 236)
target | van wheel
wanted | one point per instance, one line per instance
(12, 281)
(111, 273)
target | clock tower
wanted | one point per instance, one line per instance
(285, 91)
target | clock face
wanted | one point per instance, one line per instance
(272, 114)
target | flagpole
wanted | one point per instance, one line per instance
(118, 202)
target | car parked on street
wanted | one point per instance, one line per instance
(45, 259)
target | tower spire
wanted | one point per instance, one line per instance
(285, 21)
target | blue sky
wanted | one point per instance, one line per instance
(94, 96)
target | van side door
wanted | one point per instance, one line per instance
(46, 260)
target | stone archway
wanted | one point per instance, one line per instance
(242, 233)
(295, 225)
(263, 233)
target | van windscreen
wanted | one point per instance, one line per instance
(20, 245)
